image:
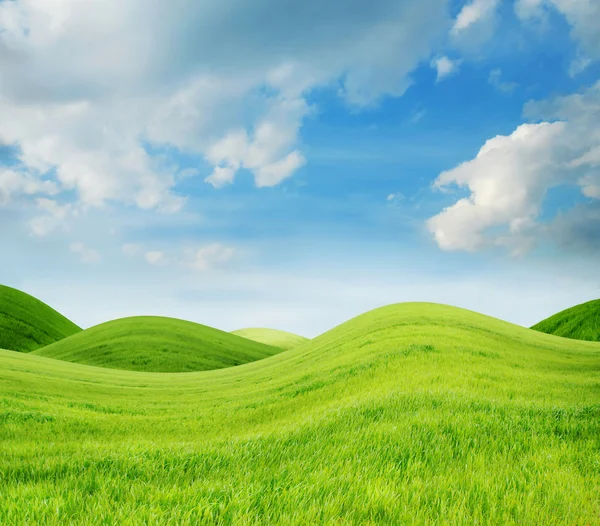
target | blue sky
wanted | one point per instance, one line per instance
(291, 164)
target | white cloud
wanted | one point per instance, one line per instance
(510, 176)
(266, 153)
(55, 216)
(530, 9)
(192, 76)
(475, 20)
(90, 151)
(392, 198)
(417, 116)
(444, 67)
(272, 174)
(209, 256)
(86, 254)
(17, 183)
(495, 79)
(507, 181)
(221, 176)
(156, 257)
(579, 64)
(582, 15)
(590, 183)
(201, 258)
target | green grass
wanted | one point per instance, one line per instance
(282, 339)
(27, 324)
(155, 344)
(581, 322)
(410, 414)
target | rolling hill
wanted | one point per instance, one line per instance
(409, 414)
(27, 324)
(155, 344)
(581, 322)
(282, 339)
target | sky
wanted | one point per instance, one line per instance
(291, 164)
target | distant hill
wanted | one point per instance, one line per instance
(155, 344)
(26, 323)
(282, 339)
(581, 322)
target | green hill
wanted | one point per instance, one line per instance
(282, 339)
(581, 322)
(409, 414)
(155, 344)
(27, 324)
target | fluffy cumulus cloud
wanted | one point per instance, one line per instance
(444, 67)
(265, 153)
(14, 182)
(87, 87)
(510, 176)
(475, 22)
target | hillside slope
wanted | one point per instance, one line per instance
(410, 414)
(581, 322)
(27, 324)
(155, 344)
(282, 339)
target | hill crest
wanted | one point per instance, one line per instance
(581, 322)
(157, 344)
(27, 324)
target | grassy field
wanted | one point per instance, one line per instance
(154, 344)
(27, 324)
(409, 414)
(282, 339)
(581, 322)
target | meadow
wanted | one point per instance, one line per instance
(409, 414)
(27, 324)
(157, 344)
(581, 322)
